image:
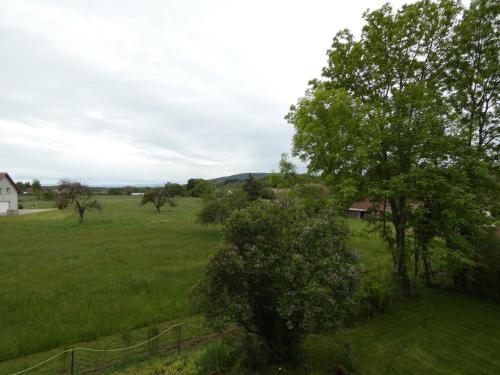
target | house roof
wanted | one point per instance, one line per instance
(367, 205)
(360, 206)
(6, 175)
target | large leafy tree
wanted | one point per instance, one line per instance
(279, 273)
(474, 75)
(385, 110)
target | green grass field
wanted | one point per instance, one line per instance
(62, 282)
(434, 333)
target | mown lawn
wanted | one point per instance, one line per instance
(436, 332)
(62, 282)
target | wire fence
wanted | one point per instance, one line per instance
(136, 345)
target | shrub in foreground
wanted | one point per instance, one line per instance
(279, 274)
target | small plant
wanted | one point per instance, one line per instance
(215, 359)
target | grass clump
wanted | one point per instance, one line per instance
(215, 359)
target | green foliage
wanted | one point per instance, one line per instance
(394, 106)
(267, 193)
(199, 187)
(73, 193)
(268, 247)
(253, 188)
(253, 353)
(175, 190)
(375, 297)
(214, 359)
(115, 191)
(158, 197)
(288, 171)
(484, 277)
(49, 195)
(314, 197)
(217, 209)
(474, 75)
(21, 187)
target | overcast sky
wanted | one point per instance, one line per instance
(144, 92)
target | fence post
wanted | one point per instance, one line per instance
(153, 336)
(179, 339)
(72, 361)
(126, 342)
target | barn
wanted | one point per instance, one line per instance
(366, 209)
(8, 194)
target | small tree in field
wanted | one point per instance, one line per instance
(279, 274)
(158, 197)
(72, 193)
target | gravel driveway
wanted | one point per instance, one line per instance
(34, 211)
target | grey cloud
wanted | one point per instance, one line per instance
(156, 90)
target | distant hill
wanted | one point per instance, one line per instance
(239, 177)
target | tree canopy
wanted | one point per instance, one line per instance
(73, 193)
(158, 198)
(415, 96)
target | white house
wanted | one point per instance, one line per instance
(8, 194)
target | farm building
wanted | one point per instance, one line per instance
(364, 209)
(8, 194)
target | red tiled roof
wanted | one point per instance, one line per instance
(367, 205)
(361, 205)
(6, 175)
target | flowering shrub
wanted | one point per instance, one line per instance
(279, 273)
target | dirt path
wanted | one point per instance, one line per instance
(34, 211)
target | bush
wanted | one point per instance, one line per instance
(280, 274)
(115, 191)
(215, 359)
(486, 278)
(253, 353)
(314, 197)
(267, 193)
(49, 195)
(375, 297)
(216, 210)
(200, 188)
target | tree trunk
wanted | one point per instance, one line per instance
(417, 260)
(402, 270)
(427, 268)
(399, 222)
(81, 212)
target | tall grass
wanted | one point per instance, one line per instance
(62, 282)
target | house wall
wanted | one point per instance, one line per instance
(12, 197)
